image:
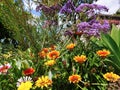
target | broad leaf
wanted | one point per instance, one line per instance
(115, 34)
(111, 44)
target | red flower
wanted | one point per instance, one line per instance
(28, 71)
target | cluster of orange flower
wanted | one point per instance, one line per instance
(52, 54)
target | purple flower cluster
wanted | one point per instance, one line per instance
(89, 9)
(93, 28)
(48, 10)
(68, 7)
(86, 7)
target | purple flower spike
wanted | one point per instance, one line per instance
(105, 26)
(68, 7)
(83, 26)
(90, 10)
(93, 28)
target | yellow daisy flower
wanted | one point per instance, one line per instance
(43, 81)
(111, 77)
(74, 78)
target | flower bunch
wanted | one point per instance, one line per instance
(93, 28)
(48, 10)
(68, 7)
(91, 9)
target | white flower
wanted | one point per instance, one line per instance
(24, 79)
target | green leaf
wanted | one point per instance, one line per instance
(115, 34)
(111, 63)
(111, 44)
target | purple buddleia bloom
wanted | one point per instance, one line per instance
(93, 32)
(48, 10)
(91, 10)
(99, 7)
(96, 26)
(68, 7)
(56, 7)
(105, 26)
(44, 8)
(81, 8)
(93, 21)
(93, 28)
(83, 26)
(90, 13)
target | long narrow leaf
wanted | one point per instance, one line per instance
(111, 63)
(111, 44)
(115, 34)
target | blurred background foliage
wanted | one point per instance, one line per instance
(16, 28)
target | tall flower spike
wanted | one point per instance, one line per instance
(68, 7)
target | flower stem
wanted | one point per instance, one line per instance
(99, 84)
(79, 86)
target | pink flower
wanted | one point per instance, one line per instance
(4, 68)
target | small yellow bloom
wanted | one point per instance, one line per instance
(50, 63)
(53, 54)
(80, 59)
(103, 53)
(74, 78)
(25, 85)
(111, 77)
(70, 46)
(43, 81)
(9, 54)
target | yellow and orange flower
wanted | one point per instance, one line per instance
(103, 53)
(53, 54)
(28, 71)
(46, 50)
(111, 77)
(80, 59)
(50, 63)
(43, 52)
(70, 46)
(43, 81)
(74, 78)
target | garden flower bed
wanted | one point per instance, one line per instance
(71, 48)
